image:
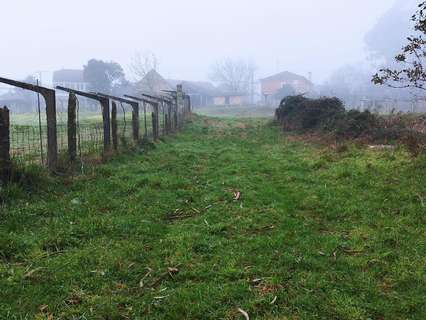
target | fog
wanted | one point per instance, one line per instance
(188, 36)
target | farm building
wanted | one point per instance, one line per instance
(153, 83)
(230, 99)
(201, 93)
(73, 79)
(206, 94)
(70, 78)
(226, 97)
(271, 86)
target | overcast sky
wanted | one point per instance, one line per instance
(187, 36)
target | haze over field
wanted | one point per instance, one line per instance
(189, 36)
(193, 159)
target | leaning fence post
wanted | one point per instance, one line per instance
(114, 125)
(5, 164)
(72, 127)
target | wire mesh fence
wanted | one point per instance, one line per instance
(95, 128)
(124, 123)
(28, 139)
(26, 143)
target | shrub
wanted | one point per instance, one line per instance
(353, 124)
(301, 113)
(298, 113)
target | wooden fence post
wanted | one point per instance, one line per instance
(5, 164)
(135, 122)
(166, 124)
(154, 130)
(106, 124)
(72, 127)
(175, 117)
(114, 125)
(145, 120)
(157, 122)
(188, 106)
(163, 112)
(169, 117)
(179, 103)
(52, 139)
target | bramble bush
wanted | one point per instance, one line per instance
(328, 115)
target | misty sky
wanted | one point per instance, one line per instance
(187, 36)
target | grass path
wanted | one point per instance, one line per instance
(315, 234)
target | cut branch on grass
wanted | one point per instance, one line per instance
(180, 214)
(244, 313)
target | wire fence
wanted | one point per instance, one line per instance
(27, 143)
(102, 127)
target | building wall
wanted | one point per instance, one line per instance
(271, 87)
(236, 101)
(219, 101)
(200, 100)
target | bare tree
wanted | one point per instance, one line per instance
(234, 75)
(412, 73)
(142, 64)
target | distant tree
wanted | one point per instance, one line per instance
(388, 34)
(122, 87)
(412, 73)
(235, 75)
(103, 76)
(142, 63)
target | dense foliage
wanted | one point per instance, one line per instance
(328, 115)
(103, 76)
(300, 113)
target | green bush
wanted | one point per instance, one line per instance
(301, 113)
(298, 113)
(353, 124)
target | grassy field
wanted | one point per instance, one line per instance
(237, 111)
(228, 215)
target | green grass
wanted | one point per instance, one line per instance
(236, 111)
(316, 234)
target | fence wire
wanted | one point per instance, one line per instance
(28, 131)
(28, 135)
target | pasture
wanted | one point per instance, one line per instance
(231, 215)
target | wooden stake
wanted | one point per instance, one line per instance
(114, 125)
(5, 164)
(72, 127)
